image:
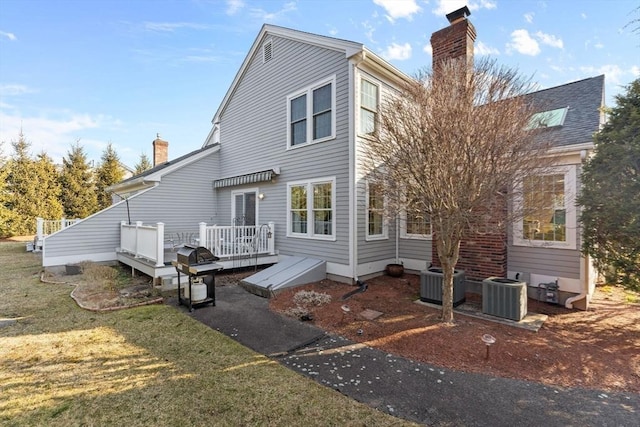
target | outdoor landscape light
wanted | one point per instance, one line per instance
(488, 340)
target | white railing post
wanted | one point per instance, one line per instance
(122, 234)
(271, 238)
(160, 245)
(137, 236)
(63, 223)
(202, 231)
(39, 228)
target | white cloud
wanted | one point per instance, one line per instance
(262, 15)
(397, 51)
(369, 30)
(234, 6)
(549, 40)
(15, 89)
(447, 6)
(529, 17)
(54, 135)
(523, 43)
(399, 8)
(482, 49)
(170, 27)
(200, 58)
(598, 45)
(635, 71)
(612, 72)
(583, 15)
(10, 36)
(428, 49)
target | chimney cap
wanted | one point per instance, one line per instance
(459, 14)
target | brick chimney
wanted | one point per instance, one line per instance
(160, 151)
(456, 40)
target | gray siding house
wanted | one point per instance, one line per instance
(284, 150)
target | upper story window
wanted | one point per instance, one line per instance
(415, 223)
(311, 210)
(311, 114)
(368, 107)
(549, 214)
(376, 224)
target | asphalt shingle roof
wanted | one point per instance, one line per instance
(584, 99)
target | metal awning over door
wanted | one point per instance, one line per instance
(249, 178)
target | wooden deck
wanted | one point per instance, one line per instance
(166, 275)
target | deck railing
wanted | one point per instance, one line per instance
(230, 241)
(44, 227)
(148, 241)
(143, 241)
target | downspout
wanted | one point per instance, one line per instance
(354, 61)
(584, 267)
(397, 239)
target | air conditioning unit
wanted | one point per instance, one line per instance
(431, 286)
(502, 297)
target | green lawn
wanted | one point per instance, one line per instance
(63, 366)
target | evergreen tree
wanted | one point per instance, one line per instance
(143, 165)
(78, 187)
(48, 191)
(6, 214)
(611, 194)
(108, 173)
(22, 188)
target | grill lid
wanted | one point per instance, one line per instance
(195, 255)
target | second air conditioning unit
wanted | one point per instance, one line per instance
(502, 297)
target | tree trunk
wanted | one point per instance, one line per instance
(448, 252)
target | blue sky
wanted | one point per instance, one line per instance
(121, 71)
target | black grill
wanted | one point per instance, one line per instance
(195, 255)
(199, 264)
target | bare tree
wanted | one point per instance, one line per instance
(454, 143)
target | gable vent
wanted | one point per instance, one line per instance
(267, 51)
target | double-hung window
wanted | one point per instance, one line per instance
(311, 210)
(368, 107)
(376, 224)
(415, 223)
(311, 114)
(548, 210)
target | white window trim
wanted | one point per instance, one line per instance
(376, 84)
(570, 190)
(310, 228)
(385, 222)
(403, 229)
(234, 193)
(309, 92)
